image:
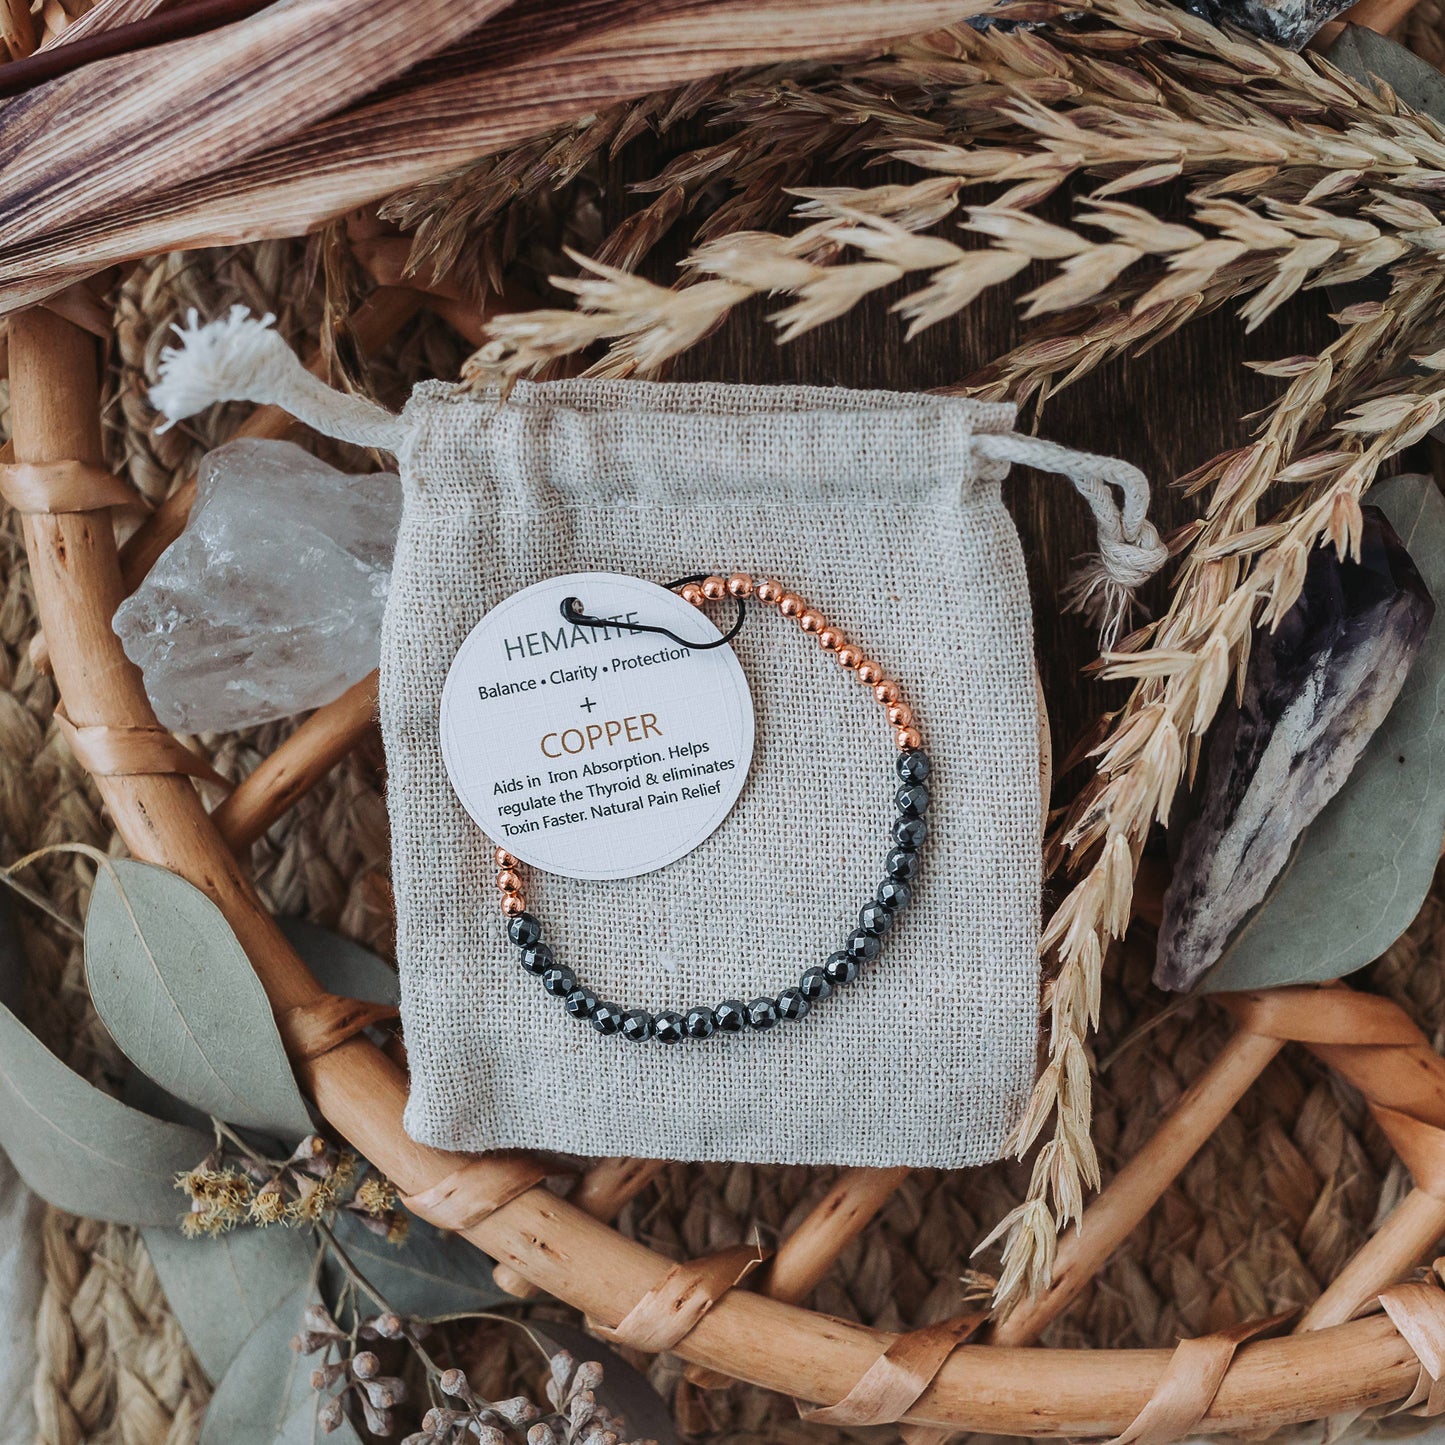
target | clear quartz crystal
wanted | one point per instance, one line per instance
(270, 601)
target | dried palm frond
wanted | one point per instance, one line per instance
(1297, 177)
(530, 68)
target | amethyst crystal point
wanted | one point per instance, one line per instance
(1315, 691)
(1286, 22)
(270, 601)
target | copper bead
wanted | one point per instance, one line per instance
(830, 639)
(714, 589)
(848, 656)
(513, 904)
(812, 621)
(900, 715)
(908, 739)
(740, 585)
(508, 881)
(503, 859)
(869, 672)
(791, 605)
(886, 691)
(693, 593)
(770, 591)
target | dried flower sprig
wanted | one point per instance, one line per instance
(1299, 177)
(235, 1185)
(577, 1416)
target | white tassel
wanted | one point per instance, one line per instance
(1130, 549)
(239, 358)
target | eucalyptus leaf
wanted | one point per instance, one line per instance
(1360, 872)
(429, 1274)
(221, 1289)
(341, 965)
(73, 1144)
(178, 994)
(1366, 55)
(265, 1398)
(625, 1391)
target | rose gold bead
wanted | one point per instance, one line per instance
(907, 739)
(770, 591)
(693, 593)
(869, 672)
(886, 691)
(508, 881)
(740, 585)
(848, 656)
(714, 589)
(830, 639)
(503, 859)
(791, 605)
(513, 904)
(899, 715)
(812, 621)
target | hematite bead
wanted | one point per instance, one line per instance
(559, 980)
(792, 1004)
(840, 968)
(580, 1003)
(815, 984)
(912, 799)
(893, 893)
(524, 930)
(700, 1023)
(762, 1014)
(537, 959)
(910, 832)
(865, 947)
(913, 766)
(607, 1017)
(902, 864)
(668, 1028)
(637, 1025)
(874, 918)
(731, 1015)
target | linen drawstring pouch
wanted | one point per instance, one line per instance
(885, 511)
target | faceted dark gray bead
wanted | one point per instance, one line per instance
(874, 918)
(865, 947)
(912, 799)
(902, 863)
(607, 1017)
(893, 893)
(792, 1004)
(910, 832)
(580, 1003)
(815, 983)
(762, 1014)
(668, 1027)
(840, 969)
(637, 1025)
(524, 930)
(731, 1015)
(914, 767)
(700, 1023)
(537, 959)
(559, 980)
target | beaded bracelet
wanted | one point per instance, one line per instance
(863, 944)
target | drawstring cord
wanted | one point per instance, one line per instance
(1130, 549)
(240, 358)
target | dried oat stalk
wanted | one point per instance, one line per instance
(1297, 177)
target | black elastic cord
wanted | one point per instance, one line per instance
(572, 612)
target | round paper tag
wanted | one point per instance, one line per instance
(596, 752)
